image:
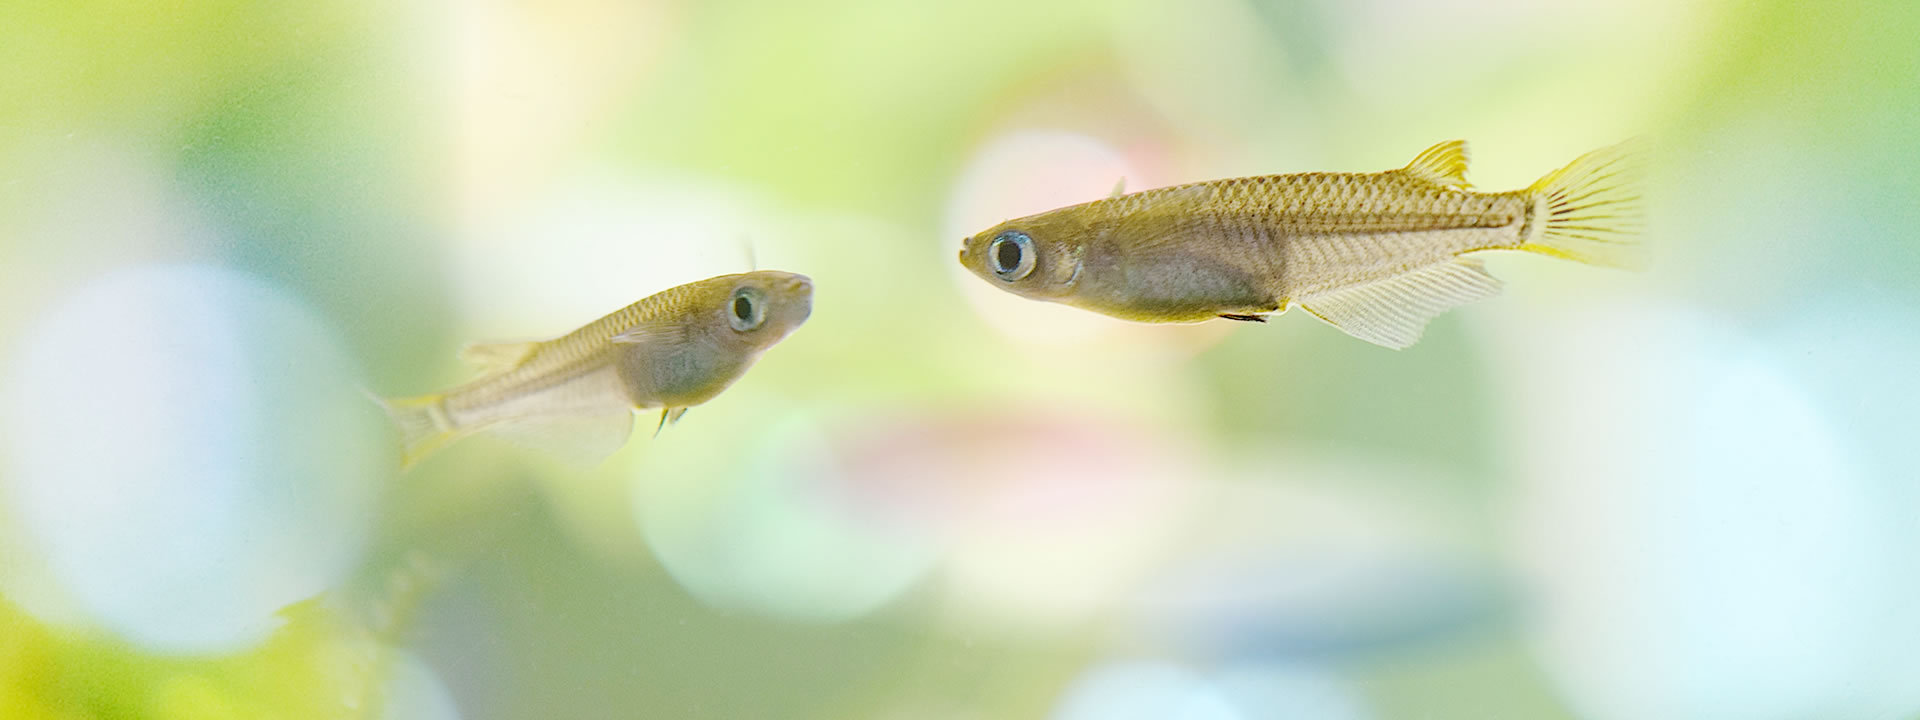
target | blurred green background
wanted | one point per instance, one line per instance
(1685, 493)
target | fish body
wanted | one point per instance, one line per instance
(575, 395)
(1377, 255)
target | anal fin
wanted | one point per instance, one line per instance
(1246, 318)
(1395, 311)
(583, 439)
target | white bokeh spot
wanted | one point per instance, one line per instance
(187, 448)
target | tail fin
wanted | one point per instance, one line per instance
(423, 423)
(1589, 211)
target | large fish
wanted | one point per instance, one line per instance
(575, 395)
(1377, 255)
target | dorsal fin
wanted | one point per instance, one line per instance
(1445, 164)
(495, 357)
(1119, 187)
(747, 249)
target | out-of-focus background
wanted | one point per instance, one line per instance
(1684, 493)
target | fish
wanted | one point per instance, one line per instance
(575, 396)
(1376, 255)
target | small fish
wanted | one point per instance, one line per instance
(575, 395)
(1377, 255)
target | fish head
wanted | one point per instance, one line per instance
(753, 311)
(1036, 257)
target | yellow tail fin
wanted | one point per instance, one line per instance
(423, 423)
(1589, 211)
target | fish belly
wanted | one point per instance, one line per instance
(1315, 264)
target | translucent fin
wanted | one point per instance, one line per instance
(1445, 164)
(1589, 211)
(494, 357)
(584, 439)
(423, 424)
(1119, 187)
(649, 332)
(1394, 312)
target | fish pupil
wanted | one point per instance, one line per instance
(743, 308)
(1006, 256)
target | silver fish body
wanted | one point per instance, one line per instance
(1375, 254)
(575, 395)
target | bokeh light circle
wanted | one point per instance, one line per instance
(1045, 519)
(415, 692)
(1019, 174)
(1697, 531)
(1160, 690)
(1144, 691)
(188, 450)
(772, 530)
(1307, 557)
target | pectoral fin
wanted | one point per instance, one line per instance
(668, 416)
(1394, 312)
(648, 333)
(583, 439)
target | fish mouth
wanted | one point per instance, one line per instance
(800, 287)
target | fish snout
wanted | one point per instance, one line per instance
(799, 291)
(800, 285)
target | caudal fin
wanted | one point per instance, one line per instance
(423, 425)
(1590, 210)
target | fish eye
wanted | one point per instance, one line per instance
(747, 310)
(1011, 255)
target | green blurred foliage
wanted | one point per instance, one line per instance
(314, 666)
